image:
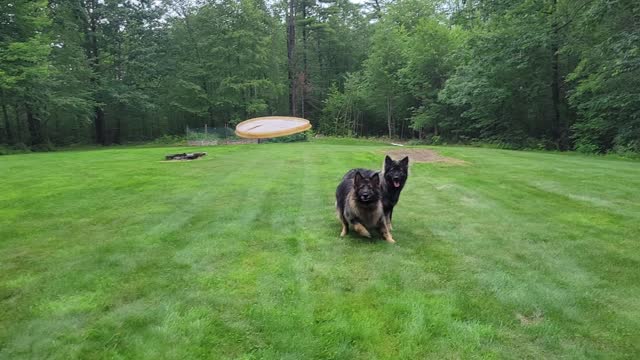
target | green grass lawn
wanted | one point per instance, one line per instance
(114, 254)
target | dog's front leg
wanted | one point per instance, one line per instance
(344, 222)
(360, 229)
(385, 231)
(345, 230)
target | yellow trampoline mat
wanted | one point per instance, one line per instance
(271, 126)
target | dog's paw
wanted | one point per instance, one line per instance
(360, 229)
(388, 238)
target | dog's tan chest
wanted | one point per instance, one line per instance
(370, 216)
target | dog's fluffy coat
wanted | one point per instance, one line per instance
(394, 176)
(359, 204)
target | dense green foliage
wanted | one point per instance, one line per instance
(114, 254)
(553, 74)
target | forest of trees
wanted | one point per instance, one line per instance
(551, 74)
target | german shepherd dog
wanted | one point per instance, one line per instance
(395, 175)
(358, 202)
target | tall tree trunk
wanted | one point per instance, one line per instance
(99, 111)
(7, 124)
(211, 112)
(559, 126)
(18, 124)
(291, 56)
(117, 135)
(99, 124)
(200, 59)
(389, 125)
(320, 65)
(35, 128)
(91, 49)
(555, 94)
(304, 56)
(89, 15)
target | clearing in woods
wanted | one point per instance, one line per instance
(114, 254)
(423, 156)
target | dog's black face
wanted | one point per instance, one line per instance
(396, 172)
(367, 188)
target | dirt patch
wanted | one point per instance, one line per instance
(533, 319)
(424, 156)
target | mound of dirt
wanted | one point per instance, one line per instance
(424, 156)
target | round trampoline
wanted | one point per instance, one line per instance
(271, 126)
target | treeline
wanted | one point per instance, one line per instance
(112, 71)
(554, 74)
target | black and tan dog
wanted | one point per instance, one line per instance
(358, 202)
(395, 174)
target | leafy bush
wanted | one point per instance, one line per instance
(170, 140)
(414, 142)
(631, 149)
(303, 136)
(586, 148)
(46, 147)
(21, 147)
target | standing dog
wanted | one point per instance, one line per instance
(358, 202)
(395, 175)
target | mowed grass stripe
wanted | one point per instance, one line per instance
(112, 253)
(545, 247)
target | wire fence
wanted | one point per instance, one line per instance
(205, 136)
(213, 136)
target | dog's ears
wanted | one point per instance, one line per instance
(375, 179)
(388, 162)
(358, 178)
(405, 162)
